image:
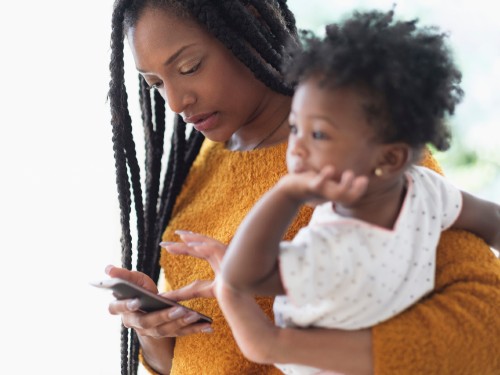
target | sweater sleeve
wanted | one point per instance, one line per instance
(455, 329)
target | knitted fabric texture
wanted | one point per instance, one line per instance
(222, 187)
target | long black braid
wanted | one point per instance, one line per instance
(255, 34)
(259, 42)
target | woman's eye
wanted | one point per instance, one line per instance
(154, 86)
(190, 70)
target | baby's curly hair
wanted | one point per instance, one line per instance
(408, 73)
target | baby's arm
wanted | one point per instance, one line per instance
(480, 217)
(251, 262)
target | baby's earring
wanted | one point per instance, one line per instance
(378, 172)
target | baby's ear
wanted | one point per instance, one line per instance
(393, 158)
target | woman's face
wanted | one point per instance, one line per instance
(198, 77)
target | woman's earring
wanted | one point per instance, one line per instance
(378, 172)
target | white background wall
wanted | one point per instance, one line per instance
(58, 209)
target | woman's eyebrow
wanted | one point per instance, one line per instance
(172, 58)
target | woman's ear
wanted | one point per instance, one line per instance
(393, 158)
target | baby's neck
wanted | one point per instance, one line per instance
(380, 206)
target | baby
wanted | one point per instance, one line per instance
(370, 96)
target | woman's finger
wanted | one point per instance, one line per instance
(118, 307)
(188, 236)
(177, 330)
(179, 248)
(134, 277)
(172, 322)
(197, 289)
(199, 246)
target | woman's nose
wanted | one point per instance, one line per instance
(178, 100)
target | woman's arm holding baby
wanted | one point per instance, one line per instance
(346, 352)
(480, 217)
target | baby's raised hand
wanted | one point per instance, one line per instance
(318, 187)
(347, 190)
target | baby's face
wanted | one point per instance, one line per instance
(329, 127)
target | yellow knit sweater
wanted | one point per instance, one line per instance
(461, 318)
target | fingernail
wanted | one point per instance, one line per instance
(108, 268)
(181, 232)
(207, 329)
(133, 304)
(166, 243)
(191, 318)
(176, 313)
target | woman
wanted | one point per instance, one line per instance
(217, 64)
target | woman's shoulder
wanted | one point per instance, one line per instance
(430, 162)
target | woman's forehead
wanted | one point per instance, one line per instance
(159, 32)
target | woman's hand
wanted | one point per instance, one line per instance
(171, 322)
(199, 246)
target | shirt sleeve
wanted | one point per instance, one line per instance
(445, 195)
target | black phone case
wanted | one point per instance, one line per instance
(149, 301)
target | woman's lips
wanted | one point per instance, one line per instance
(204, 123)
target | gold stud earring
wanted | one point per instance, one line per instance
(378, 172)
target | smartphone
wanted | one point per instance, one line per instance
(123, 289)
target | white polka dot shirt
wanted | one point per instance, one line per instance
(344, 273)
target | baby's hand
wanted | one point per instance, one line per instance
(315, 188)
(347, 191)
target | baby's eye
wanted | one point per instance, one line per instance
(319, 135)
(293, 129)
(190, 69)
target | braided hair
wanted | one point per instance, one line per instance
(256, 31)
